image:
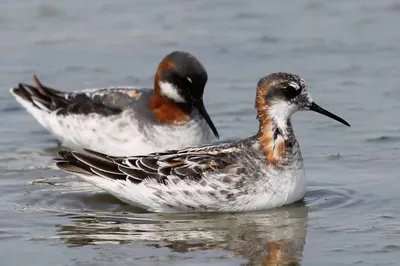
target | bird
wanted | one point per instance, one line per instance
(259, 172)
(126, 120)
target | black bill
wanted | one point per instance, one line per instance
(316, 108)
(200, 106)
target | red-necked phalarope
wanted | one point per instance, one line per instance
(128, 121)
(260, 172)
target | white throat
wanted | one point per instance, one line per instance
(171, 91)
(280, 112)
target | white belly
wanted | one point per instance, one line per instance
(211, 195)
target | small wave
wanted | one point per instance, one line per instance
(11, 109)
(335, 157)
(49, 11)
(384, 139)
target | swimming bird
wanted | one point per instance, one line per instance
(125, 120)
(260, 172)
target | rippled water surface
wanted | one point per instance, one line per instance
(349, 53)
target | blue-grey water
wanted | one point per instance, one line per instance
(347, 50)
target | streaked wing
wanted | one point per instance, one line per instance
(188, 163)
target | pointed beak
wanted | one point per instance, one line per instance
(200, 106)
(316, 108)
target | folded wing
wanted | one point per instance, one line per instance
(188, 163)
(109, 101)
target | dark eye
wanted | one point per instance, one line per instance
(292, 90)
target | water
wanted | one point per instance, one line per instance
(347, 51)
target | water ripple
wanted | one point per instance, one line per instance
(384, 138)
(332, 197)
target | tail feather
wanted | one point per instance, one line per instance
(40, 96)
(95, 162)
(21, 93)
(70, 168)
(95, 174)
(99, 154)
(68, 162)
(47, 90)
(87, 164)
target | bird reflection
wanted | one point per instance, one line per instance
(274, 237)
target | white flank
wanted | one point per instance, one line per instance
(276, 189)
(120, 135)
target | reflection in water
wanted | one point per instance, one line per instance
(270, 238)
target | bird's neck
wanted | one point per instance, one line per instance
(167, 111)
(276, 137)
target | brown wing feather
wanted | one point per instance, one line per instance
(156, 166)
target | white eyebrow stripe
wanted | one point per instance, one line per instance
(294, 85)
(189, 79)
